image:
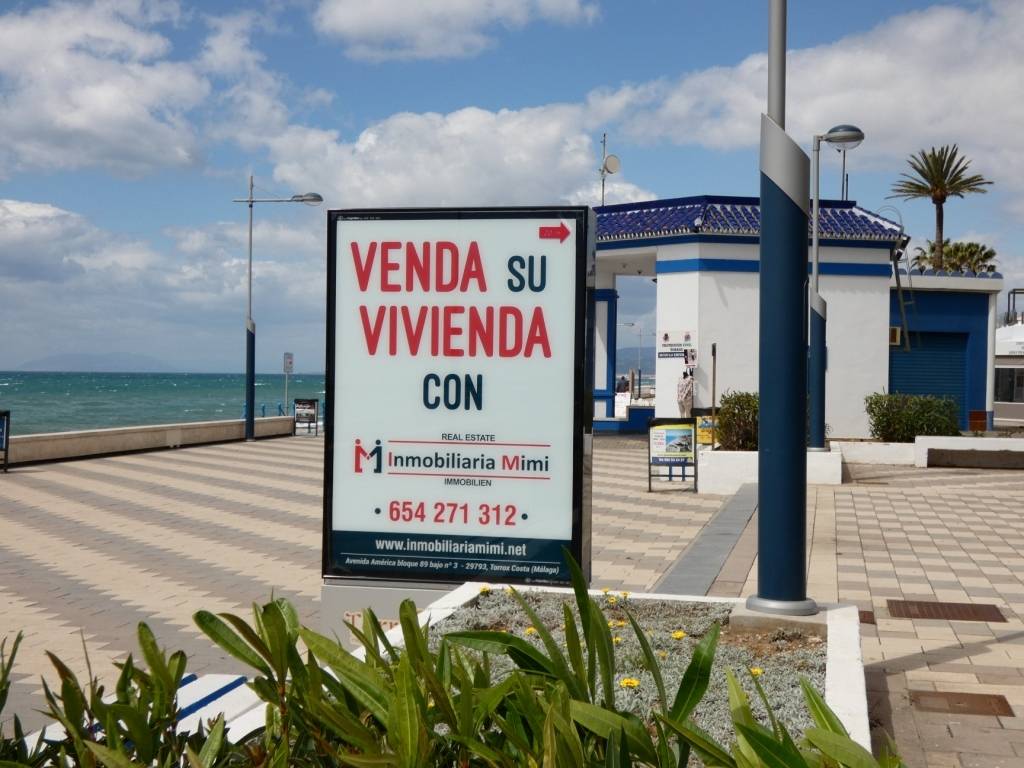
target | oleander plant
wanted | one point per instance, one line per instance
(421, 703)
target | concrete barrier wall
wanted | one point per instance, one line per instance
(923, 444)
(723, 472)
(97, 442)
(866, 452)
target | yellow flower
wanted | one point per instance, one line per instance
(629, 682)
(620, 623)
(662, 654)
(612, 600)
(485, 589)
(678, 634)
(616, 639)
(509, 590)
(624, 594)
(611, 623)
(605, 590)
(531, 631)
(756, 671)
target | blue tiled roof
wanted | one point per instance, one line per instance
(740, 216)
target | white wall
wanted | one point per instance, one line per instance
(678, 301)
(858, 349)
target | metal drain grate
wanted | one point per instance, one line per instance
(867, 617)
(961, 703)
(921, 609)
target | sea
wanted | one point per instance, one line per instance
(62, 402)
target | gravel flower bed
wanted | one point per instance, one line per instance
(673, 628)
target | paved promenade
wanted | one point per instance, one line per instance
(90, 548)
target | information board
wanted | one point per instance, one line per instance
(442, 464)
(307, 412)
(671, 443)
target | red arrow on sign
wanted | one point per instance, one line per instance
(558, 233)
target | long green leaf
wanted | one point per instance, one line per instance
(703, 744)
(557, 659)
(842, 749)
(111, 757)
(652, 663)
(771, 752)
(822, 715)
(575, 650)
(601, 638)
(523, 653)
(217, 630)
(404, 721)
(362, 681)
(695, 680)
(214, 740)
(604, 723)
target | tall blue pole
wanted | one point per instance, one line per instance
(817, 351)
(782, 455)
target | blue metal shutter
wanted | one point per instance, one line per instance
(935, 365)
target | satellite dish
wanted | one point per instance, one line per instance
(612, 164)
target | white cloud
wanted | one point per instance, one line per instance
(89, 84)
(412, 29)
(936, 76)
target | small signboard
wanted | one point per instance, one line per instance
(289, 362)
(678, 344)
(307, 412)
(5, 436)
(441, 462)
(705, 430)
(671, 443)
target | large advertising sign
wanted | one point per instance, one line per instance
(456, 381)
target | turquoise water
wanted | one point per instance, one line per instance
(60, 402)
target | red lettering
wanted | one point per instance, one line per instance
(474, 270)
(363, 266)
(452, 251)
(481, 331)
(451, 331)
(510, 337)
(414, 334)
(435, 323)
(510, 463)
(537, 335)
(388, 266)
(418, 264)
(372, 334)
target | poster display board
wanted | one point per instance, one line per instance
(441, 463)
(705, 430)
(681, 345)
(307, 412)
(671, 443)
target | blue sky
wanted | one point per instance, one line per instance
(127, 127)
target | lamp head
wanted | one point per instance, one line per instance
(310, 198)
(844, 137)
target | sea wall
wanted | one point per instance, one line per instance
(52, 446)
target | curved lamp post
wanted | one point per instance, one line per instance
(310, 198)
(843, 138)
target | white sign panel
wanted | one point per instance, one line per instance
(289, 362)
(446, 464)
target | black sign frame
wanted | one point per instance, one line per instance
(663, 421)
(583, 379)
(316, 415)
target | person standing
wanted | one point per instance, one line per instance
(684, 395)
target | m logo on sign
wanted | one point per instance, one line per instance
(361, 455)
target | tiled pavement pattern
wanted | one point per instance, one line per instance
(93, 547)
(952, 535)
(98, 545)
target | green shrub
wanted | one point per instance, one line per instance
(898, 418)
(736, 429)
(405, 705)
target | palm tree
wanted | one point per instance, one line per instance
(938, 174)
(957, 257)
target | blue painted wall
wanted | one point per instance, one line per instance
(952, 312)
(606, 394)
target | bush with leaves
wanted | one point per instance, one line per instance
(736, 429)
(406, 706)
(899, 418)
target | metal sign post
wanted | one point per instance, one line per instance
(5, 437)
(782, 450)
(289, 366)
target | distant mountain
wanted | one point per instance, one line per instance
(119, 362)
(625, 359)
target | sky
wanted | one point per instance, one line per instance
(127, 127)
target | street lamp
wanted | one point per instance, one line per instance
(310, 198)
(842, 137)
(609, 163)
